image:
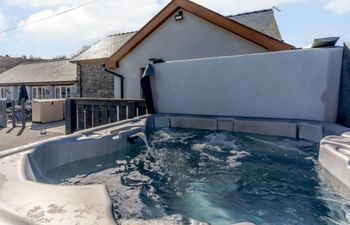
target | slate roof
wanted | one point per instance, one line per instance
(52, 72)
(105, 48)
(263, 21)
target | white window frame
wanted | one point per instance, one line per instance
(3, 92)
(64, 91)
(38, 92)
(57, 95)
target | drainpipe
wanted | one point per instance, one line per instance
(80, 80)
(146, 88)
(146, 84)
(121, 77)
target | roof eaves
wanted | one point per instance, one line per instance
(167, 10)
(250, 34)
(39, 83)
(90, 61)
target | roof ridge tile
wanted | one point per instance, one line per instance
(251, 12)
(122, 33)
(44, 61)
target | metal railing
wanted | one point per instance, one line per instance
(85, 113)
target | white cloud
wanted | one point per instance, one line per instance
(42, 3)
(338, 6)
(228, 7)
(224, 6)
(2, 25)
(89, 23)
(110, 16)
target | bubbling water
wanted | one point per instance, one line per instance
(177, 176)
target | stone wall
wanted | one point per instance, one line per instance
(344, 93)
(95, 82)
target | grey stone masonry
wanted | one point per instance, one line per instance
(96, 82)
(344, 94)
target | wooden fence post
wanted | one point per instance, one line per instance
(23, 113)
(131, 110)
(3, 113)
(13, 105)
(82, 113)
(70, 115)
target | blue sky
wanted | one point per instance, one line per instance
(300, 21)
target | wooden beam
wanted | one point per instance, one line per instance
(140, 36)
(90, 61)
(237, 28)
(250, 34)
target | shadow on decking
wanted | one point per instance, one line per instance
(21, 131)
(10, 130)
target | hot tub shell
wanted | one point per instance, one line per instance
(335, 156)
(23, 199)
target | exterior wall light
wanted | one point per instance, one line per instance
(156, 60)
(179, 16)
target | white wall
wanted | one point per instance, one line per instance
(13, 93)
(190, 38)
(301, 84)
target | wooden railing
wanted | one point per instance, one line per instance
(85, 113)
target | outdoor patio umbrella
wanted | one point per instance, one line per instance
(23, 93)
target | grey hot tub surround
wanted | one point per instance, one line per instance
(22, 199)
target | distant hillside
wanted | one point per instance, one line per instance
(7, 62)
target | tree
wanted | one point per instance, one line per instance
(60, 57)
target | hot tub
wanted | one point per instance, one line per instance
(170, 169)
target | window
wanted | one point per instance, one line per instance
(38, 93)
(57, 92)
(68, 92)
(3, 92)
(62, 92)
